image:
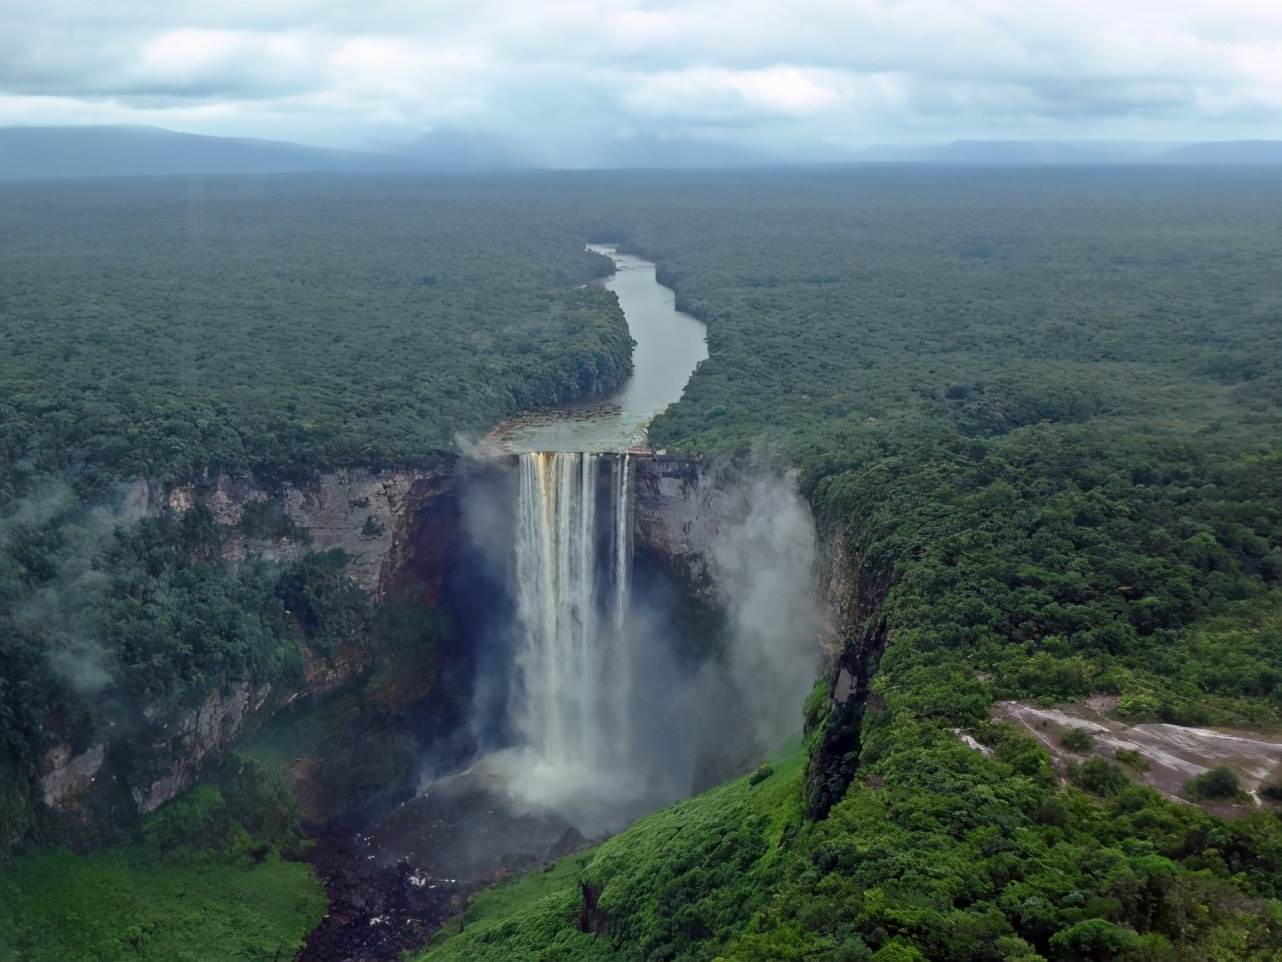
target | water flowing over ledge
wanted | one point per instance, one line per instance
(573, 577)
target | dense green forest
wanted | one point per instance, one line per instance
(162, 328)
(1040, 411)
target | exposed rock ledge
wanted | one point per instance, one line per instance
(68, 775)
(1172, 753)
(198, 732)
(368, 515)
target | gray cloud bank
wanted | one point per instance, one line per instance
(577, 83)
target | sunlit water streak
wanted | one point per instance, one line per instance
(573, 568)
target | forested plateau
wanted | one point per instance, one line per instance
(1037, 415)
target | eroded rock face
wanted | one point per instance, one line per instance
(682, 503)
(679, 504)
(387, 523)
(68, 774)
(197, 733)
(369, 516)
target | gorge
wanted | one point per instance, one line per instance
(606, 643)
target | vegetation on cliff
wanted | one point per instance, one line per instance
(203, 877)
(171, 330)
(113, 626)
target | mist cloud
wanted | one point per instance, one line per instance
(64, 609)
(567, 81)
(763, 569)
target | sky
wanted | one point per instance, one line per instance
(568, 82)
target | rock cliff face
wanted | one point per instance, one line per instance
(400, 527)
(682, 502)
(854, 588)
(392, 525)
(66, 775)
(371, 517)
(679, 504)
(181, 746)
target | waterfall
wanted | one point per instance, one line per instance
(573, 568)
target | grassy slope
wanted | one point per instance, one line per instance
(201, 878)
(132, 904)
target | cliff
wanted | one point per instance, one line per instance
(394, 526)
(372, 517)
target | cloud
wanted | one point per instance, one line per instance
(712, 95)
(763, 569)
(562, 77)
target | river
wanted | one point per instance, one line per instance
(669, 346)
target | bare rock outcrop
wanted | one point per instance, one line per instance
(369, 516)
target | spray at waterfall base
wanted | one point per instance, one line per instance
(606, 688)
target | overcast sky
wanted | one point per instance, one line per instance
(566, 79)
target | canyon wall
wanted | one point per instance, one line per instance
(680, 501)
(370, 516)
(402, 527)
(394, 526)
(683, 502)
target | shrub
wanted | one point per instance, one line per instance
(1139, 707)
(1217, 784)
(761, 774)
(1100, 777)
(1131, 759)
(267, 520)
(1273, 790)
(1091, 939)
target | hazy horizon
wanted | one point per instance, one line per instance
(576, 84)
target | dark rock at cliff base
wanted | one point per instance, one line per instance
(467, 827)
(376, 911)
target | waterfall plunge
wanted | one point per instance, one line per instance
(573, 570)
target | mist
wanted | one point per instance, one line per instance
(70, 588)
(674, 710)
(763, 569)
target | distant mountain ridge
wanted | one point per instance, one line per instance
(1228, 152)
(1036, 152)
(100, 151)
(35, 152)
